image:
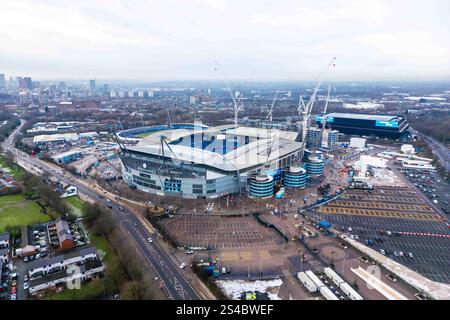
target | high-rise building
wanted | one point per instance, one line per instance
(193, 100)
(2, 81)
(25, 83)
(92, 85)
(105, 89)
(330, 138)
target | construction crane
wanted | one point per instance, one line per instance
(235, 103)
(309, 105)
(169, 123)
(270, 114)
(301, 105)
(324, 122)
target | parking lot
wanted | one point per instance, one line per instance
(215, 232)
(432, 185)
(419, 240)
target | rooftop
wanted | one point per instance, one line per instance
(363, 116)
(280, 143)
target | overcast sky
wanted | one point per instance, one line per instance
(253, 39)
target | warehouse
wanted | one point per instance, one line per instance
(385, 126)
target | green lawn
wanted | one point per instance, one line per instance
(76, 205)
(143, 135)
(16, 211)
(16, 171)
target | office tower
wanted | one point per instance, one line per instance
(92, 85)
(28, 83)
(2, 81)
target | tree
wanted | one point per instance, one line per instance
(92, 213)
(133, 290)
(104, 224)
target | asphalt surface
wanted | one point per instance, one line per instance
(438, 149)
(427, 240)
(171, 275)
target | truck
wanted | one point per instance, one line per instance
(327, 293)
(314, 279)
(307, 282)
(324, 224)
(350, 292)
(333, 276)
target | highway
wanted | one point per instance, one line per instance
(171, 275)
(438, 149)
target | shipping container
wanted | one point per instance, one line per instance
(307, 282)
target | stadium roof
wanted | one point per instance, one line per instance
(280, 144)
(363, 116)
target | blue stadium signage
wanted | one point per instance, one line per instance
(388, 124)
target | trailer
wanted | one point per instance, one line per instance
(327, 294)
(314, 279)
(350, 292)
(333, 276)
(307, 282)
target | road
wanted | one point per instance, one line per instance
(438, 149)
(174, 282)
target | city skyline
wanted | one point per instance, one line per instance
(287, 41)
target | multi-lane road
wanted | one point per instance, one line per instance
(439, 149)
(171, 275)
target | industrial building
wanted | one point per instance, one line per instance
(55, 139)
(196, 161)
(366, 124)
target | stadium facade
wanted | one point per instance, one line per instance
(366, 124)
(196, 161)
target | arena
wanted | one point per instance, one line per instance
(196, 161)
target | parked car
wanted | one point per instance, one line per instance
(183, 265)
(149, 240)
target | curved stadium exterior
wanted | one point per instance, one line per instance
(197, 161)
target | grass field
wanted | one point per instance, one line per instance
(16, 211)
(143, 135)
(16, 171)
(76, 205)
